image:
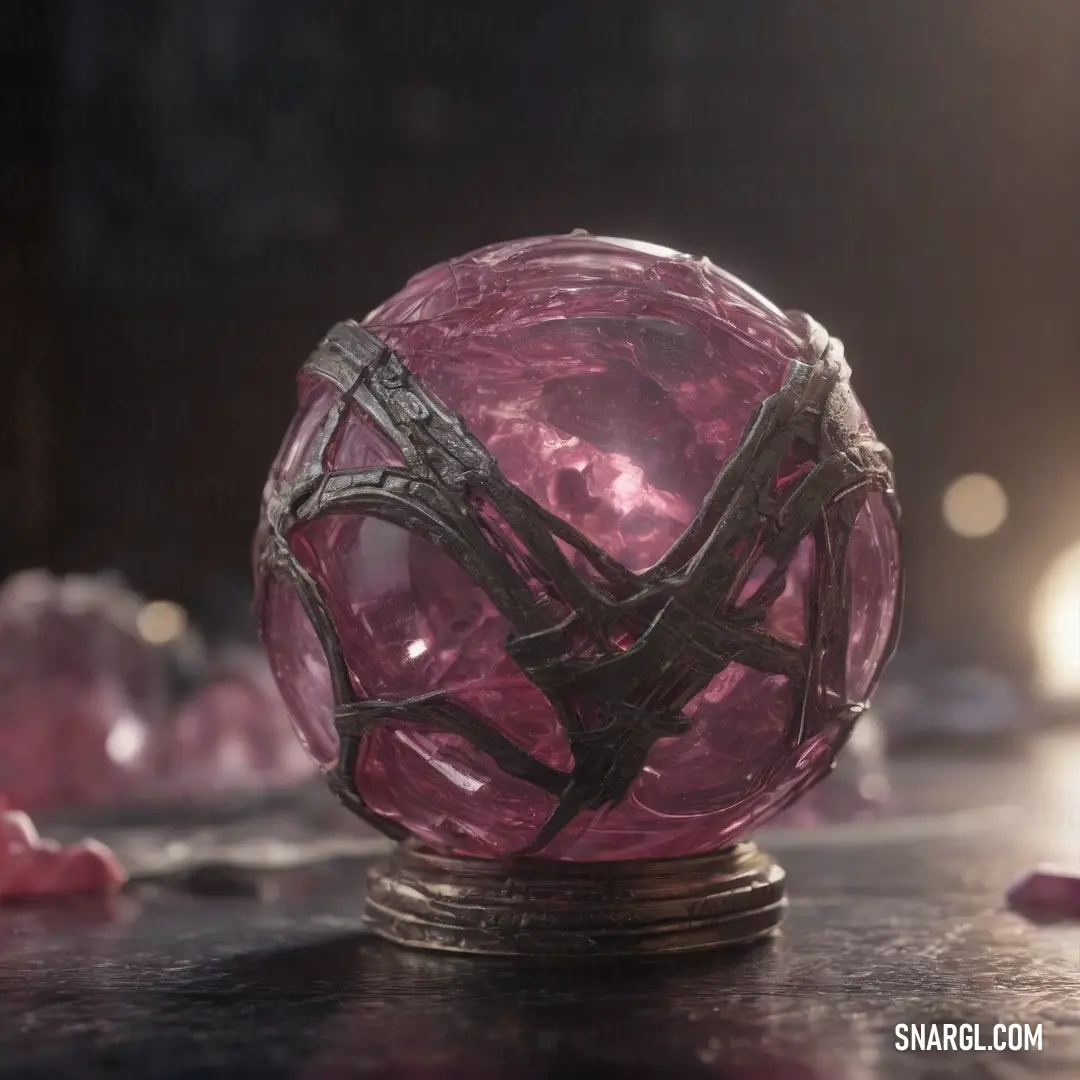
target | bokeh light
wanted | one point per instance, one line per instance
(1056, 627)
(975, 506)
(161, 621)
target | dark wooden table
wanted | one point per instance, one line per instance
(900, 922)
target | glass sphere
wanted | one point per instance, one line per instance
(612, 382)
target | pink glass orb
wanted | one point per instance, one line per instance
(613, 383)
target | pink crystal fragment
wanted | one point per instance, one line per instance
(229, 736)
(1047, 894)
(610, 380)
(89, 715)
(79, 692)
(31, 866)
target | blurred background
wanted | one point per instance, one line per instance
(193, 191)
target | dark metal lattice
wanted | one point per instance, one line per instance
(685, 619)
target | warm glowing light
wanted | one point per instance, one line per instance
(975, 506)
(1057, 628)
(161, 621)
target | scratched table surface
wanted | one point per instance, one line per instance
(901, 921)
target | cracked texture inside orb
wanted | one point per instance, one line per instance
(610, 381)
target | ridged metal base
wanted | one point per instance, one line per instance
(543, 908)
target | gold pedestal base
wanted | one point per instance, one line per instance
(542, 908)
